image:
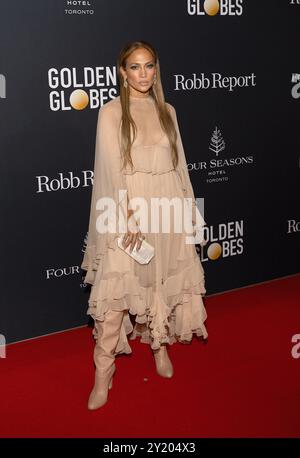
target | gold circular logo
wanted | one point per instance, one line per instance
(214, 251)
(211, 7)
(79, 99)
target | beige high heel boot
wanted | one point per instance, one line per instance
(104, 357)
(163, 363)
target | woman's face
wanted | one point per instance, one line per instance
(140, 71)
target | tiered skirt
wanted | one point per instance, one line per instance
(163, 300)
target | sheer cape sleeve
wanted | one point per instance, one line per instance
(109, 193)
(198, 222)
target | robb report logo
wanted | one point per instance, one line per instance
(296, 85)
(64, 181)
(213, 7)
(222, 241)
(213, 81)
(81, 88)
(293, 226)
(218, 168)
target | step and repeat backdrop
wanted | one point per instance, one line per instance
(231, 68)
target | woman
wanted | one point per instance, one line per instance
(139, 151)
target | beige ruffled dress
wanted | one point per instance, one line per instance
(164, 296)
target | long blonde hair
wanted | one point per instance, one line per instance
(156, 91)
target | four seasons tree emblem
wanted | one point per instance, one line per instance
(217, 143)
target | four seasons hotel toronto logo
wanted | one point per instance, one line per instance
(79, 7)
(218, 168)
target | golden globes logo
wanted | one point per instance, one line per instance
(214, 7)
(71, 88)
(223, 241)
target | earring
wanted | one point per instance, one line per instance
(154, 80)
(125, 84)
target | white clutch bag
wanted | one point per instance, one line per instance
(143, 255)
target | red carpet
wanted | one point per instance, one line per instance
(243, 383)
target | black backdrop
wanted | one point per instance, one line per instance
(252, 184)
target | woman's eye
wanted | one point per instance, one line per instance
(134, 67)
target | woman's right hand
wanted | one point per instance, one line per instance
(133, 236)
